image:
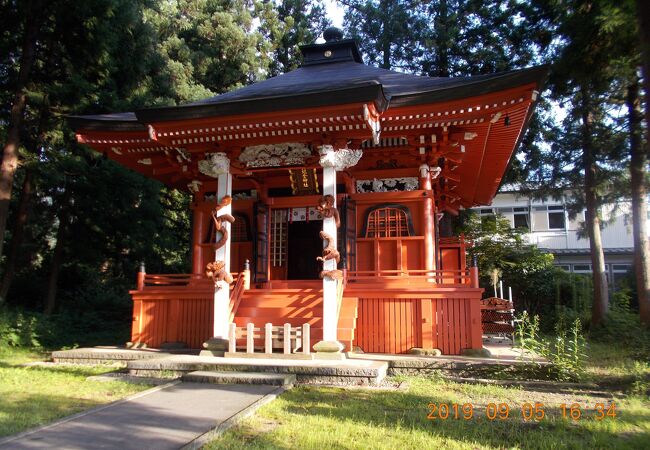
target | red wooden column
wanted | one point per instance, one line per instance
(428, 213)
(429, 219)
(198, 232)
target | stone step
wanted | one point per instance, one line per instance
(350, 372)
(273, 379)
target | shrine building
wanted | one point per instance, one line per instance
(331, 180)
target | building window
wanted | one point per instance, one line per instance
(565, 267)
(388, 221)
(521, 218)
(486, 212)
(556, 218)
(279, 233)
(582, 268)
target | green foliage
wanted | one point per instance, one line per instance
(565, 350)
(18, 329)
(623, 325)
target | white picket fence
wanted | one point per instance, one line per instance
(289, 339)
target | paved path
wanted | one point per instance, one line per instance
(165, 418)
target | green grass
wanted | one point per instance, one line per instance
(32, 396)
(316, 418)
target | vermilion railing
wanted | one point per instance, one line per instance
(174, 280)
(235, 295)
(451, 277)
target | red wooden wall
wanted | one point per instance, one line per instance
(172, 317)
(395, 325)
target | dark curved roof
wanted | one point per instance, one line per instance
(322, 80)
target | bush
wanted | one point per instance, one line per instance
(565, 351)
(18, 329)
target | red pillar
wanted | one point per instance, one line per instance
(428, 213)
(197, 237)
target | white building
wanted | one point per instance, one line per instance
(551, 229)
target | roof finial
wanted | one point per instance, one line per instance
(332, 34)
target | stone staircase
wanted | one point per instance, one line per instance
(296, 303)
(214, 377)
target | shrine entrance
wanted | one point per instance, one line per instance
(303, 246)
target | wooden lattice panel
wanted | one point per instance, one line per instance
(239, 229)
(387, 222)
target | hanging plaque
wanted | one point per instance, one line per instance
(303, 181)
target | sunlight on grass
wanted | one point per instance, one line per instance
(31, 396)
(316, 418)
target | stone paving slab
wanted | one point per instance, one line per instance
(274, 379)
(168, 417)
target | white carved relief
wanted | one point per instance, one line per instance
(274, 155)
(145, 161)
(339, 159)
(194, 186)
(387, 184)
(214, 164)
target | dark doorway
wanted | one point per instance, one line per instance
(304, 246)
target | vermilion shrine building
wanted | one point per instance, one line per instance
(394, 151)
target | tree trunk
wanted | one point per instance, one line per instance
(17, 235)
(638, 164)
(23, 207)
(601, 293)
(57, 257)
(643, 15)
(10, 150)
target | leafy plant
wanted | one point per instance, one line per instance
(565, 351)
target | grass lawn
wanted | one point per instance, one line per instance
(32, 396)
(317, 418)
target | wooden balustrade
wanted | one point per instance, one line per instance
(241, 284)
(441, 277)
(289, 339)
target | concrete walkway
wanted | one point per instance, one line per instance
(168, 417)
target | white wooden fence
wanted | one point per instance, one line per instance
(289, 339)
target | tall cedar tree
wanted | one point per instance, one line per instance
(135, 54)
(32, 14)
(290, 24)
(640, 156)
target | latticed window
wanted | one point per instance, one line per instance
(388, 222)
(239, 229)
(279, 232)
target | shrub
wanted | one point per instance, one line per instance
(18, 329)
(565, 351)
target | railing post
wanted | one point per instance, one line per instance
(473, 272)
(268, 338)
(306, 336)
(246, 273)
(141, 276)
(250, 343)
(287, 338)
(232, 338)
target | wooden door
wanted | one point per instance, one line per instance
(261, 244)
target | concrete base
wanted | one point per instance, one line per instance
(330, 356)
(329, 347)
(215, 346)
(273, 379)
(299, 356)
